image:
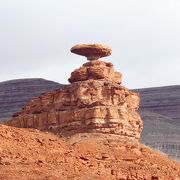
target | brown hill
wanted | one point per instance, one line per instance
(31, 154)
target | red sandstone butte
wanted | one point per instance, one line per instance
(93, 102)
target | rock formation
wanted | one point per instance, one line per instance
(93, 102)
(160, 132)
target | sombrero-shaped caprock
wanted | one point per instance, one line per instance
(92, 51)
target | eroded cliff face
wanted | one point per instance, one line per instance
(93, 102)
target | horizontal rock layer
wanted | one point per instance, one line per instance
(162, 100)
(97, 119)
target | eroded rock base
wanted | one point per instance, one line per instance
(86, 106)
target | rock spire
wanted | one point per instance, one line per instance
(93, 102)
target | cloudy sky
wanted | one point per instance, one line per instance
(36, 36)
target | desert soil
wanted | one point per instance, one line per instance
(29, 154)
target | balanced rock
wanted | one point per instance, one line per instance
(91, 51)
(93, 102)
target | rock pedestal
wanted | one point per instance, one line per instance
(94, 101)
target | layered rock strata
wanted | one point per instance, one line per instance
(93, 102)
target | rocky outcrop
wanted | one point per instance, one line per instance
(93, 102)
(15, 94)
(96, 70)
(160, 131)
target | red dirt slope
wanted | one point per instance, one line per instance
(28, 154)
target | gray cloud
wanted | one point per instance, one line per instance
(35, 38)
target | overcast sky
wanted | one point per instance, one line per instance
(36, 37)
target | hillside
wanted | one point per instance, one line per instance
(161, 116)
(162, 100)
(40, 155)
(15, 94)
